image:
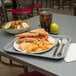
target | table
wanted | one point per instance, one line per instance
(47, 66)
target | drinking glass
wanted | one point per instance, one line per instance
(45, 15)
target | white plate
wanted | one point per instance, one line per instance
(51, 39)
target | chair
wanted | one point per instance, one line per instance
(26, 7)
(22, 9)
(7, 6)
(3, 14)
(34, 73)
(36, 4)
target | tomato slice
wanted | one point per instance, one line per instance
(16, 22)
(21, 26)
(21, 38)
(47, 36)
(13, 23)
(3, 27)
(15, 27)
(33, 37)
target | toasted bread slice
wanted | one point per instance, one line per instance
(40, 31)
(28, 34)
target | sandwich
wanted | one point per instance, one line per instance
(32, 35)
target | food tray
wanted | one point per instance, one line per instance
(49, 54)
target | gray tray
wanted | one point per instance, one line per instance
(49, 54)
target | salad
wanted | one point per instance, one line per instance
(16, 25)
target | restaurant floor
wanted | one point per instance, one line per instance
(14, 71)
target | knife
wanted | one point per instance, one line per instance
(57, 46)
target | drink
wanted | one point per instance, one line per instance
(45, 19)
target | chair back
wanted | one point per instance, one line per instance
(23, 3)
(3, 14)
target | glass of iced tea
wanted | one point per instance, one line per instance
(45, 15)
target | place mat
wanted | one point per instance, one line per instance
(71, 54)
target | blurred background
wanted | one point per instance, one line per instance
(23, 9)
(8, 13)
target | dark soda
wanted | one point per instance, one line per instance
(45, 20)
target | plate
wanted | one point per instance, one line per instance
(51, 39)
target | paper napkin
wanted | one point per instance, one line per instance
(71, 54)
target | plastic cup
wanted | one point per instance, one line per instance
(45, 15)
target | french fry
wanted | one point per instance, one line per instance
(36, 46)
